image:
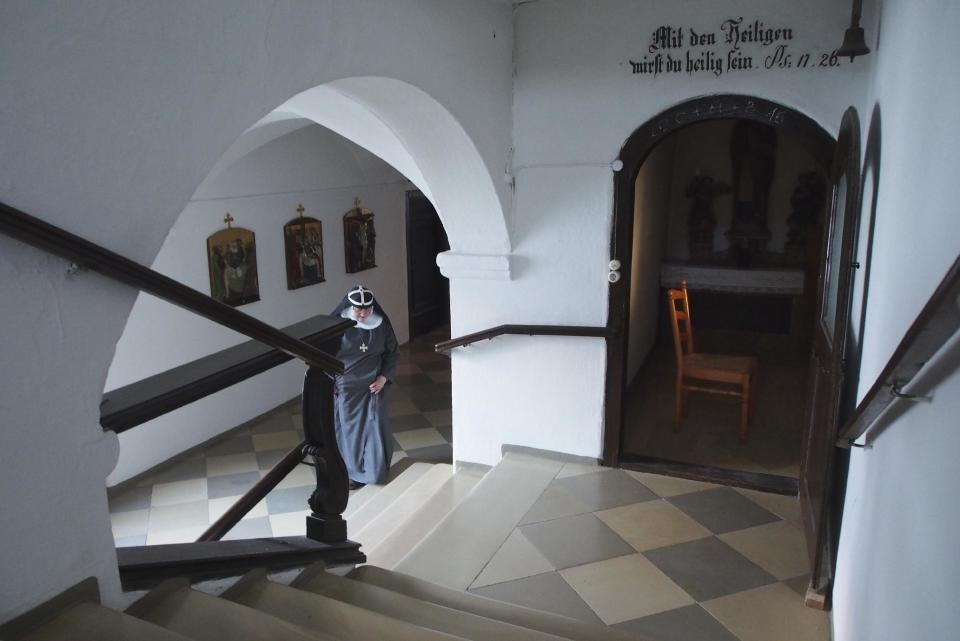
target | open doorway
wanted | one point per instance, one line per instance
(734, 208)
(428, 290)
(728, 194)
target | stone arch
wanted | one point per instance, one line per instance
(414, 133)
(404, 127)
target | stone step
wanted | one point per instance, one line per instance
(94, 622)
(317, 580)
(457, 550)
(176, 606)
(482, 606)
(359, 498)
(403, 507)
(405, 537)
(379, 501)
(316, 612)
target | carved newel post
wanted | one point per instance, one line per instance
(329, 500)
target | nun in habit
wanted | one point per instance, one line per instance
(369, 354)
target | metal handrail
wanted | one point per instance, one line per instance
(936, 323)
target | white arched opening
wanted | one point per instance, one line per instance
(417, 135)
(283, 159)
(420, 138)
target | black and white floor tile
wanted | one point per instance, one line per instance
(176, 502)
(651, 555)
(664, 557)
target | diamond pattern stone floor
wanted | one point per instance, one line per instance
(669, 558)
(177, 501)
(647, 554)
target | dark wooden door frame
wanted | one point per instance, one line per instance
(410, 226)
(825, 472)
(638, 146)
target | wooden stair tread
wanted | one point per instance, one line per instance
(317, 612)
(414, 611)
(466, 602)
(191, 613)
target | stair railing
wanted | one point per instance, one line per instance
(522, 330)
(329, 499)
(88, 255)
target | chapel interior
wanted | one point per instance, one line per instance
(735, 209)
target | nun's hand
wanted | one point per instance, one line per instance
(378, 384)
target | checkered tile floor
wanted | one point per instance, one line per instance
(176, 502)
(666, 557)
(649, 554)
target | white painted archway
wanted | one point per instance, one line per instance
(414, 133)
(394, 121)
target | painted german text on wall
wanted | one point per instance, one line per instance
(737, 45)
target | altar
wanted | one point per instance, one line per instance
(758, 299)
(779, 281)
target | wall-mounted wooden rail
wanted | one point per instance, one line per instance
(86, 254)
(523, 330)
(937, 322)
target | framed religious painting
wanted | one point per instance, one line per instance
(232, 261)
(359, 239)
(303, 249)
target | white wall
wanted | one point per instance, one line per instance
(313, 166)
(651, 219)
(896, 577)
(575, 104)
(505, 395)
(113, 112)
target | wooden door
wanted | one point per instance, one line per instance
(818, 470)
(428, 290)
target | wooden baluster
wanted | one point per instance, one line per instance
(329, 500)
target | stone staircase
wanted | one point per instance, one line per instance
(427, 535)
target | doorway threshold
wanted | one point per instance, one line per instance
(772, 483)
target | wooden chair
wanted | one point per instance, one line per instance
(713, 373)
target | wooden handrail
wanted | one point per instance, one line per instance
(126, 407)
(935, 324)
(146, 566)
(254, 495)
(84, 253)
(523, 330)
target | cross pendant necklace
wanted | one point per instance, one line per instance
(363, 344)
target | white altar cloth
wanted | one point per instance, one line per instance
(787, 282)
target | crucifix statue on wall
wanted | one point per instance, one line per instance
(753, 150)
